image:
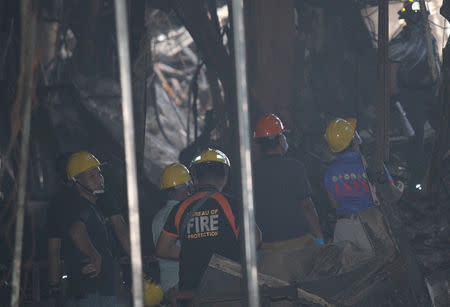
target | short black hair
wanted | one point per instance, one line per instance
(210, 170)
(269, 143)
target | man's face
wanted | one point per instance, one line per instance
(92, 179)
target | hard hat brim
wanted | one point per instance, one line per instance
(179, 186)
(100, 166)
(271, 136)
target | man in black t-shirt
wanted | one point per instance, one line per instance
(86, 240)
(283, 206)
(61, 213)
(206, 222)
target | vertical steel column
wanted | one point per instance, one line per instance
(245, 153)
(28, 39)
(383, 85)
(130, 154)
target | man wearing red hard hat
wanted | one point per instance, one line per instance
(284, 209)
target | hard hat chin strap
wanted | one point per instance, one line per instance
(93, 192)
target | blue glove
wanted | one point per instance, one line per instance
(319, 241)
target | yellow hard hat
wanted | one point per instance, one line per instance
(173, 175)
(211, 155)
(339, 133)
(80, 162)
(153, 293)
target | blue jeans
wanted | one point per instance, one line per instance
(93, 300)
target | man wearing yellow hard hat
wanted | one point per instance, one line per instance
(176, 182)
(205, 223)
(347, 183)
(87, 242)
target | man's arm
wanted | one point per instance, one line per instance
(80, 237)
(333, 201)
(121, 230)
(310, 213)
(167, 247)
(54, 260)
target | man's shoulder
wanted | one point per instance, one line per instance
(166, 210)
(294, 162)
(196, 197)
(223, 198)
(215, 199)
(284, 160)
(293, 167)
(79, 209)
(109, 204)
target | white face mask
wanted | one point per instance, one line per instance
(286, 146)
(97, 192)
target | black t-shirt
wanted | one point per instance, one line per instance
(59, 208)
(212, 229)
(80, 284)
(280, 184)
(109, 204)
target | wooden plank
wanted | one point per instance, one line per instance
(233, 269)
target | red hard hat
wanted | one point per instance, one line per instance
(267, 126)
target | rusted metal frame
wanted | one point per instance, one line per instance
(248, 215)
(130, 153)
(383, 87)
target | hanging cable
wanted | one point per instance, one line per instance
(193, 92)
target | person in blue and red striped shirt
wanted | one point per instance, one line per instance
(347, 184)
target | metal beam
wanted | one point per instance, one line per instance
(245, 153)
(130, 154)
(28, 39)
(383, 86)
